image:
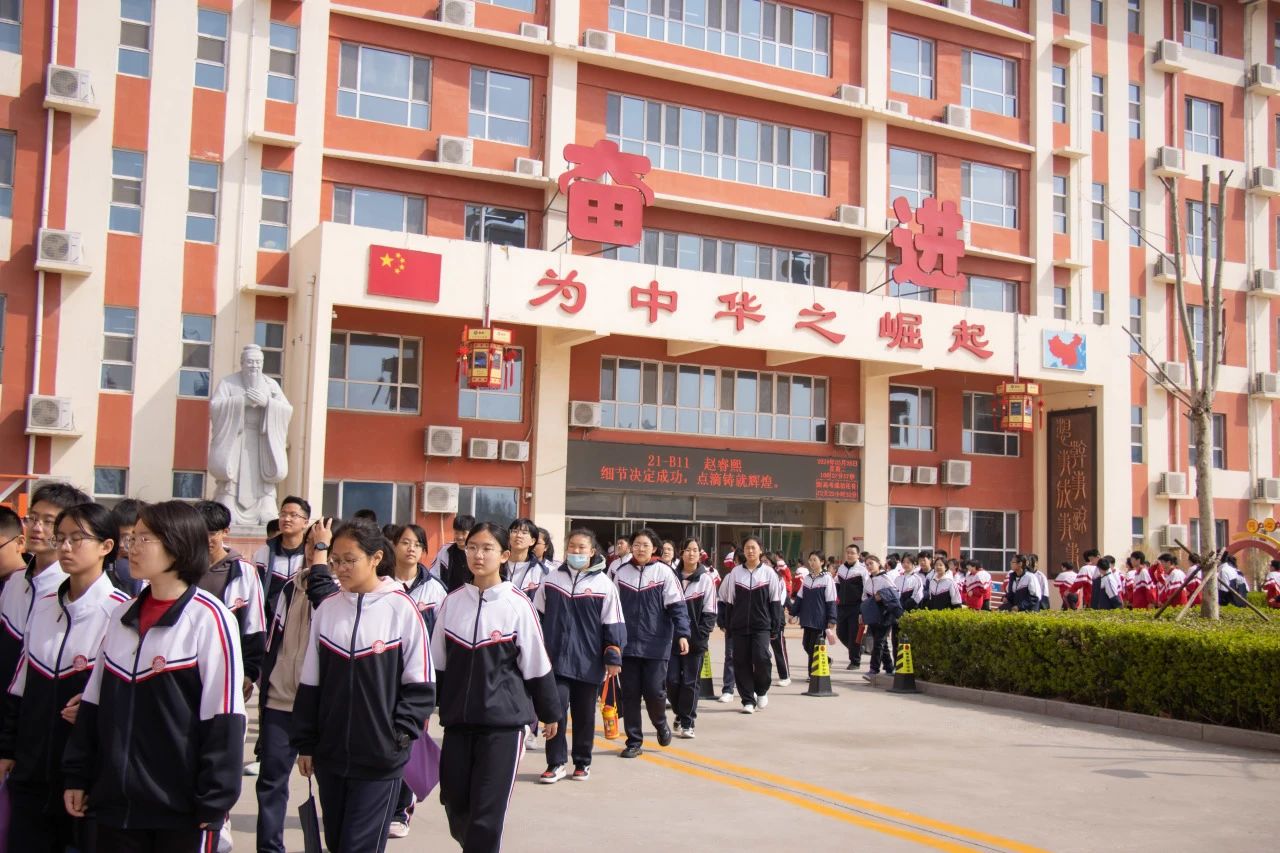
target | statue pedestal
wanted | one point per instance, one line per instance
(246, 538)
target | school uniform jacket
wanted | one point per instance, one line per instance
(426, 591)
(16, 601)
(815, 603)
(1173, 587)
(942, 593)
(753, 600)
(977, 590)
(451, 567)
(1065, 581)
(367, 684)
(582, 622)
(653, 608)
(527, 576)
(1271, 587)
(910, 590)
(1108, 591)
(700, 601)
(63, 639)
(159, 738)
(276, 567)
(849, 583)
(492, 664)
(1022, 592)
(319, 586)
(1144, 590)
(235, 581)
(1084, 584)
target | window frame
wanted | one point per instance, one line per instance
(1209, 39)
(1061, 309)
(271, 197)
(1059, 87)
(669, 249)
(190, 346)
(1098, 102)
(1217, 443)
(174, 481)
(203, 38)
(1136, 318)
(1137, 435)
(1135, 218)
(1008, 293)
(480, 119)
(471, 400)
(261, 338)
(334, 499)
(925, 176)
(1135, 110)
(1195, 236)
(123, 473)
(1098, 210)
(400, 385)
(912, 435)
(970, 435)
(1100, 307)
(1061, 204)
(1010, 520)
(1133, 17)
(356, 193)
(132, 337)
(11, 30)
(924, 517)
(352, 98)
(1006, 92)
(473, 491)
(274, 50)
(1203, 140)
(924, 73)
(485, 212)
(137, 53)
(1008, 207)
(121, 180)
(8, 171)
(195, 217)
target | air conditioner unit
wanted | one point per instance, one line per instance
(528, 166)
(900, 474)
(893, 105)
(851, 214)
(957, 472)
(851, 94)
(515, 451)
(1172, 534)
(1264, 79)
(60, 251)
(955, 519)
(69, 90)
(443, 441)
(1164, 270)
(1176, 371)
(584, 414)
(956, 115)
(459, 12)
(961, 6)
(1169, 162)
(482, 448)
(49, 415)
(455, 150)
(1266, 181)
(1266, 283)
(1266, 385)
(1172, 484)
(851, 435)
(1168, 57)
(440, 497)
(598, 40)
(530, 30)
(926, 475)
(1267, 489)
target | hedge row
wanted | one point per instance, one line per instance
(1223, 673)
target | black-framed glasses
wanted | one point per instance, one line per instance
(73, 540)
(10, 539)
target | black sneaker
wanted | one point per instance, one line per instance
(664, 735)
(631, 752)
(854, 664)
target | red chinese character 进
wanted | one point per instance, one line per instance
(654, 299)
(970, 336)
(605, 213)
(930, 256)
(820, 315)
(742, 307)
(572, 292)
(902, 330)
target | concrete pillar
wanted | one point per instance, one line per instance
(873, 526)
(551, 430)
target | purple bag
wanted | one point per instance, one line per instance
(5, 806)
(422, 773)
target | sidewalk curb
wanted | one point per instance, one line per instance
(1142, 723)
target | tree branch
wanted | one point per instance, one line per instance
(1160, 377)
(1210, 324)
(1219, 338)
(1180, 298)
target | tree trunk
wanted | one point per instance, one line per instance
(1202, 436)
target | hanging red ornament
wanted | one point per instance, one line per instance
(482, 355)
(1017, 405)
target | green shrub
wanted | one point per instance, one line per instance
(1222, 673)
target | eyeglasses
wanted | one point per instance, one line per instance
(487, 550)
(144, 539)
(10, 539)
(344, 562)
(40, 520)
(73, 540)
(292, 516)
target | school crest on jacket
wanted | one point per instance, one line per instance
(653, 608)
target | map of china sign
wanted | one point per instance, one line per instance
(1064, 351)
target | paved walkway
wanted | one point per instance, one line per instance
(873, 771)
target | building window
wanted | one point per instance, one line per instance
(1204, 127)
(1196, 226)
(1220, 533)
(993, 294)
(1200, 25)
(188, 485)
(11, 26)
(1196, 314)
(374, 373)
(910, 529)
(282, 64)
(486, 224)
(1135, 324)
(197, 355)
(489, 503)
(1137, 435)
(211, 50)
(911, 67)
(110, 482)
(269, 337)
(134, 56)
(119, 330)
(908, 290)
(1134, 16)
(910, 175)
(1218, 430)
(1099, 308)
(273, 229)
(992, 539)
(1097, 13)
(990, 194)
(499, 106)
(990, 83)
(1060, 94)
(496, 404)
(202, 202)
(1059, 7)
(1135, 111)
(771, 33)
(1138, 528)
(1059, 303)
(384, 86)
(1098, 102)
(715, 145)
(982, 434)
(910, 417)
(1060, 204)
(8, 155)
(126, 191)
(1099, 211)
(392, 502)
(1135, 217)
(727, 257)
(380, 209)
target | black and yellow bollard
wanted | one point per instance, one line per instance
(706, 688)
(904, 674)
(819, 673)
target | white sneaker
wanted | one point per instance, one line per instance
(553, 775)
(748, 709)
(726, 698)
(786, 682)
(398, 829)
(252, 768)
(677, 730)
(687, 734)
(762, 701)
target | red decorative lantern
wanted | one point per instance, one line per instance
(1017, 405)
(485, 356)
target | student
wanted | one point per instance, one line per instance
(1065, 581)
(621, 551)
(778, 644)
(495, 681)
(13, 543)
(1172, 587)
(584, 632)
(850, 577)
(1144, 590)
(157, 746)
(524, 569)
(450, 564)
(815, 606)
(1021, 593)
(235, 582)
(654, 612)
(126, 517)
(281, 557)
(700, 599)
(365, 515)
(977, 586)
(941, 590)
(1087, 574)
(910, 586)
(545, 549)
(1271, 586)
(1042, 583)
(366, 691)
(668, 554)
(880, 608)
(1108, 587)
(752, 596)
(1230, 581)
(63, 636)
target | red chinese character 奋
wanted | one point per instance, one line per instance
(609, 213)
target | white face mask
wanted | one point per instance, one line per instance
(577, 562)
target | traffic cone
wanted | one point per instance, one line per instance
(819, 673)
(706, 689)
(904, 674)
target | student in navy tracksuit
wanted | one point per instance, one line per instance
(653, 608)
(495, 681)
(850, 577)
(366, 692)
(815, 605)
(752, 594)
(700, 597)
(582, 624)
(236, 583)
(283, 555)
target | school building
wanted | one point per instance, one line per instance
(178, 180)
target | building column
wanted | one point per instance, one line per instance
(869, 520)
(1115, 467)
(550, 449)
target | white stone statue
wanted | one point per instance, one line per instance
(250, 422)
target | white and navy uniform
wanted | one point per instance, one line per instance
(235, 581)
(654, 610)
(426, 591)
(815, 607)
(1230, 578)
(64, 637)
(1108, 591)
(1021, 592)
(583, 629)
(495, 681)
(881, 655)
(910, 586)
(849, 583)
(16, 602)
(753, 601)
(527, 575)
(700, 599)
(942, 593)
(158, 742)
(276, 566)
(366, 692)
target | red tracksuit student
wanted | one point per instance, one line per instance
(1086, 576)
(977, 586)
(1271, 586)
(1143, 596)
(1173, 581)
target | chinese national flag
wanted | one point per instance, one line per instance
(404, 273)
